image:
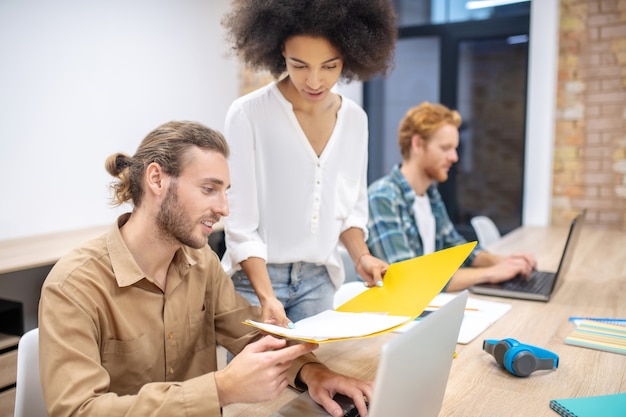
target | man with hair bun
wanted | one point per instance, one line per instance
(407, 216)
(129, 322)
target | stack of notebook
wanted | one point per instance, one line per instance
(601, 335)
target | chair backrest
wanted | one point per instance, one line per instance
(486, 230)
(28, 393)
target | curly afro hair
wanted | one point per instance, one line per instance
(364, 32)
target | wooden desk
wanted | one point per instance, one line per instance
(595, 286)
(31, 252)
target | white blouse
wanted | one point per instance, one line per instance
(286, 203)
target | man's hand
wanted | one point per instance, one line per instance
(528, 258)
(511, 266)
(324, 384)
(259, 372)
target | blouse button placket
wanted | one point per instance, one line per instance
(317, 197)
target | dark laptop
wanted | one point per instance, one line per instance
(542, 284)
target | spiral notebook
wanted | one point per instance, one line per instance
(613, 405)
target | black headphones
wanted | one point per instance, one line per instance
(520, 359)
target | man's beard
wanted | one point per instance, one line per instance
(173, 224)
(436, 174)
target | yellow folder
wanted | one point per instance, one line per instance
(410, 285)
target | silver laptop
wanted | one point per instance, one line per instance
(542, 284)
(412, 372)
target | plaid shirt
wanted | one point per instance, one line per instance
(393, 232)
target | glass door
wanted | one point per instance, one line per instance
(480, 69)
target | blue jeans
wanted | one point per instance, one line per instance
(303, 288)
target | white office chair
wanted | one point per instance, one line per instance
(486, 230)
(348, 265)
(352, 285)
(28, 394)
(348, 291)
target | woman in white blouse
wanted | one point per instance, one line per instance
(299, 151)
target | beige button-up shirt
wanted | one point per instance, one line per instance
(112, 343)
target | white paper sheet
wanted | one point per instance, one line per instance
(331, 324)
(479, 315)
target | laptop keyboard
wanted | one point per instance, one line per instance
(352, 413)
(347, 405)
(539, 283)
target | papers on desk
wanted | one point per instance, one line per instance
(336, 325)
(409, 286)
(479, 315)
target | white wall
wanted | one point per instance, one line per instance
(80, 80)
(541, 110)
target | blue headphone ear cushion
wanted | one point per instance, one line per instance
(509, 357)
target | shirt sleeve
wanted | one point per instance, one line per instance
(232, 309)
(445, 228)
(387, 239)
(358, 217)
(241, 226)
(75, 383)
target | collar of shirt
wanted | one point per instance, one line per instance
(127, 271)
(407, 192)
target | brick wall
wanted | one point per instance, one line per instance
(590, 133)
